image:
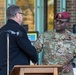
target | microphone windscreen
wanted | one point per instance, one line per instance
(19, 33)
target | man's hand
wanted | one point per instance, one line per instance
(67, 68)
(31, 63)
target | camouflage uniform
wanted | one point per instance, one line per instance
(57, 48)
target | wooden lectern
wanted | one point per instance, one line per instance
(35, 70)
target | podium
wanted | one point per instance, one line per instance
(35, 70)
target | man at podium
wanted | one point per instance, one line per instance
(19, 48)
(58, 45)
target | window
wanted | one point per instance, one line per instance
(27, 7)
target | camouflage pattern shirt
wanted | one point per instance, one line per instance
(57, 48)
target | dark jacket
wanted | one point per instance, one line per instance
(20, 49)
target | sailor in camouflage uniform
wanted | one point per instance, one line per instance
(58, 45)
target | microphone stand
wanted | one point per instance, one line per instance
(7, 53)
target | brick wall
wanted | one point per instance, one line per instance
(56, 6)
(71, 8)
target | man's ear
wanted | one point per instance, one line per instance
(16, 18)
(17, 15)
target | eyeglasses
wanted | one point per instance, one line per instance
(21, 13)
(60, 21)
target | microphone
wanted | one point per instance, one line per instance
(18, 33)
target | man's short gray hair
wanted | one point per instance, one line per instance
(12, 10)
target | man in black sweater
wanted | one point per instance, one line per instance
(21, 50)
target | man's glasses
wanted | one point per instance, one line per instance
(60, 21)
(21, 13)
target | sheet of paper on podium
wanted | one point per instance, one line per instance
(74, 71)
